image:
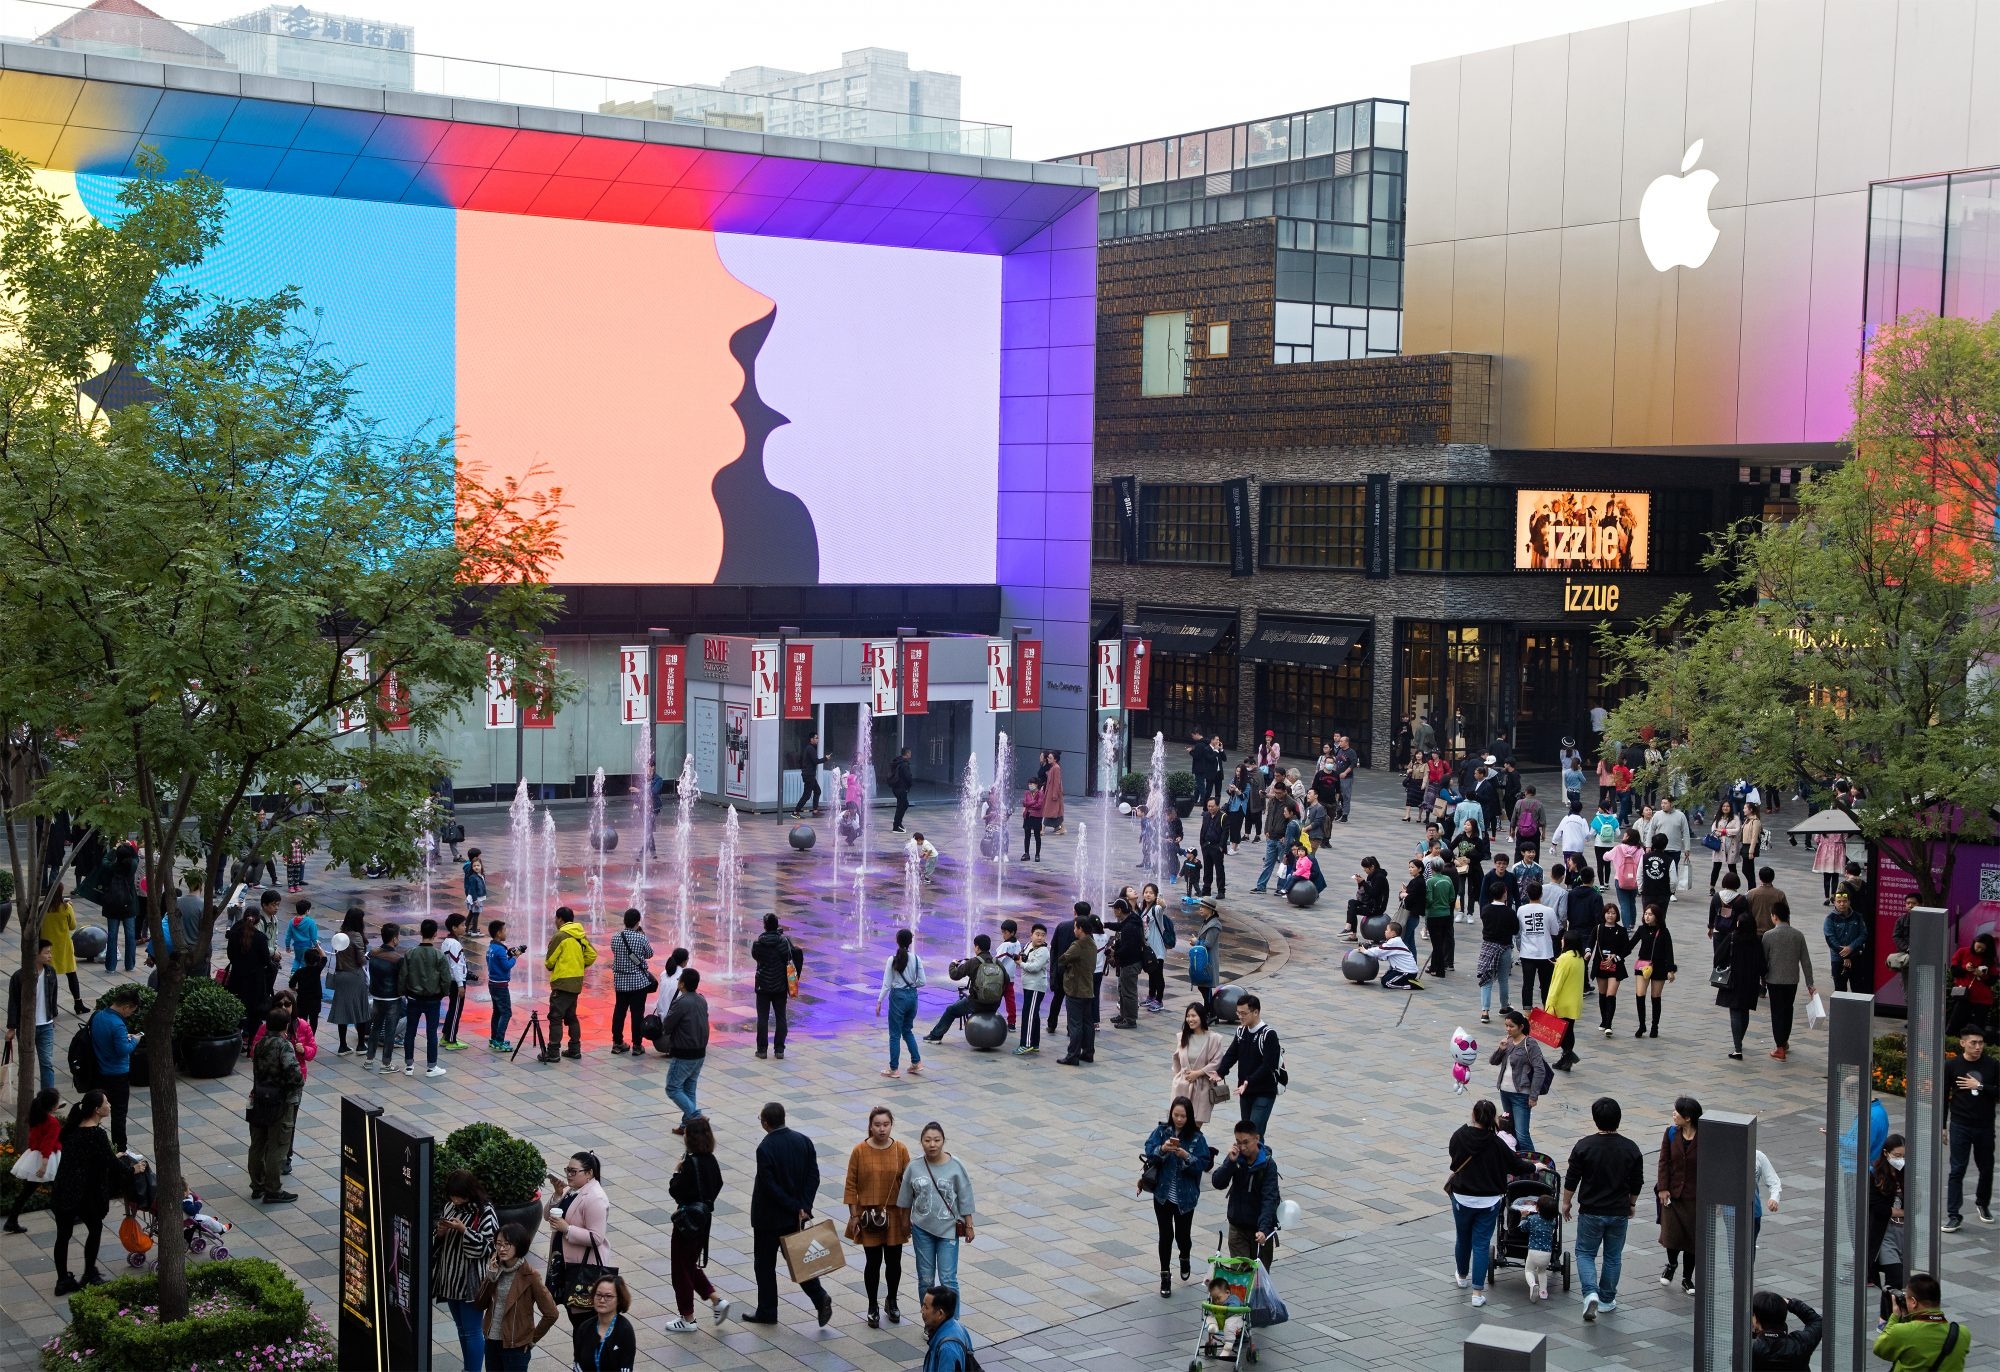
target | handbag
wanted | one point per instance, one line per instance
(1149, 1174)
(873, 1218)
(1220, 1092)
(1719, 978)
(1545, 1028)
(1607, 965)
(1711, 842)
(577, 1279)
(267, 1104)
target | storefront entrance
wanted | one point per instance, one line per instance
(1451, 674)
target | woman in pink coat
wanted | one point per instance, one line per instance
(1052, 796)
(303, 1040)
(1830, 861)
(1200, 1048)
(581, 1214)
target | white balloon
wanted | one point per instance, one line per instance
(340, 942)
(1124, 807)
(1288, 1214)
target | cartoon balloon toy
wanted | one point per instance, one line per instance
(1464, 1052)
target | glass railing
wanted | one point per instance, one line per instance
(315, 46)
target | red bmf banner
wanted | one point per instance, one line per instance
(798, 681)
(1138, 676)
(763, 681)
(537, 712)
(916, 676)
(1027, 675)
(670, 683)
(395, 703)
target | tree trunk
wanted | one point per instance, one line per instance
(171, 1246)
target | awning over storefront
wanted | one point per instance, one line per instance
(1184, 631)
(1304, 642)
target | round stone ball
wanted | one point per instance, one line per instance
(1222, 1008)
(88, 942)
(986, 1030)
(802, 837)
(605, 839)
(1359, 967)
(1302, 894)
(1375, 928)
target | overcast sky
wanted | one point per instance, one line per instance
(1069, 75)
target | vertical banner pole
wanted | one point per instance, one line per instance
(1844, 1271)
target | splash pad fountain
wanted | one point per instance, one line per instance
(970, 802)
(726, 916)
(686, 792)
(1156, 810)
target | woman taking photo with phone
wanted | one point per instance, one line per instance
(874, 1173)
(1177, 1155)
(937, 1193)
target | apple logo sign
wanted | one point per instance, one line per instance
(1674, 225)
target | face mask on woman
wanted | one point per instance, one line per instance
(1896, 1163)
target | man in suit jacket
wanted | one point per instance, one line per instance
(781, 1203)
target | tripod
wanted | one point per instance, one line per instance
(533, 1026)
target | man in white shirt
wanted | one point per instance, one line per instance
(454, 958)
(1672, 821)
(1573, 833)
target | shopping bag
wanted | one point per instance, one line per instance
(1815, 1011)
(1545, 1028)
(813, 1251)
(1265, 1307)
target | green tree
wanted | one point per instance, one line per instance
(1858, 640)
(201, 585)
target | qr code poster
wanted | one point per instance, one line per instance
(1989, 883)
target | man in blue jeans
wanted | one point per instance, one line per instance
(686, 1035)
(1605, 1176)
(43, 980)
(1278, 843)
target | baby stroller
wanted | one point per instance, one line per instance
(140, 1229)
(1225, 1335)
(1523, 1195)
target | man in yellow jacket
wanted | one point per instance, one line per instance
(570, 951)
(1565, 999)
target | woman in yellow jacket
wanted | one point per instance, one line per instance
(59, 928)
(1565, 998)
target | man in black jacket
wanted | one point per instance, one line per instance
(1213, 848)
(809, 762)
(1773, 1347)
(1256, 1055)
(46, 1002)
(781, 1203)
(1199, 763)
(772, 952)
(685, 1035)
(1129, 948)
(901, 778)
(1250, 1175)
(1060, 938)
(1606, 1174)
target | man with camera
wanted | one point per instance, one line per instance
(1918, 1336)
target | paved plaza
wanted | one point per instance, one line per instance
(1063, 1273)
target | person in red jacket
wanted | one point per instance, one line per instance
(44, 1140)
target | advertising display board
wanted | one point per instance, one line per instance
(1581, 531)
(385, 1242)
(798, 681)
(670, 683)
(1028, 676)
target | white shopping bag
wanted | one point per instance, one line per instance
(1815, 1011)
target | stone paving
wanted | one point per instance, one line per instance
(1062, 1274)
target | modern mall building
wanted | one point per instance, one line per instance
(799, 395)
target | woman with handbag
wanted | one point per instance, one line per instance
(510, 1298)
(875, 1170)
(1200, 1049)
(695, 1185)
(937, 1193)
(1607, 965)
(1725, 840)
(1750, 840)
(580, 1219)
(81, 1195)
(1176, 1156)
(605, 1340)
(1524, 1076)
(462, 1241)
(1481, 1166)
(1653, 963)
(37, 1165)
(1739, 980)
(1674, 1190)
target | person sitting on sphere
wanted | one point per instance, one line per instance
(1399, 964)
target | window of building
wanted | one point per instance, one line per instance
(1218, 340)
(1107, 533)
(1192, 691)
(1683, 523)
(1183, 524)
(1454, 528)
(1163, 354)
(1315, 526)
(1307, 706)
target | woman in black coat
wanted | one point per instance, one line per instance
(250, 972)
(1413, 900)
(1885, 1208)
(1653, 966)
(1744, 967)
(81, 1192)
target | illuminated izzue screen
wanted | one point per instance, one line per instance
(717, 408)
(1581, 530)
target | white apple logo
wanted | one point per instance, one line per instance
(1673, 217)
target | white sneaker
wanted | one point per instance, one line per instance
(1460, 1282)
(1607, 1307)
(435, 1072)
(409, 1071)
(681, 1326)
(1531, 1293)
(1590, 1308)
(1478, 1298)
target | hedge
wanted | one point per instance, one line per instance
(270, 1310)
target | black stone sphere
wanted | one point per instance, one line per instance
(88, 942)
(991, 841)
(1222, 1008)
(1302, 894)
(1359, 967)
(605, 839)
(1374, 929)
(802, 837)
(986, 1030)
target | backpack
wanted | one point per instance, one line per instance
(989, 983)
(83, 1067)
(1199, 972)
(1166, 928)
(1527, 824)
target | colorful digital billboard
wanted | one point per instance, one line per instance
(1581, 531)
(717, 408)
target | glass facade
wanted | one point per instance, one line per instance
(1107, 534)
(1307, 706)
(1454, 528)
(1333, 179)
(1315, 526)
(1183, 523)
(1934, 246)
(1190, 691)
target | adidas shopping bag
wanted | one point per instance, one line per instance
(813, 1251)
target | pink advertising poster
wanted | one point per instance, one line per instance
(1972, 903)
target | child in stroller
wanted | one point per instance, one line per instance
(140, 1228)
(1226, 1336)
(1512, 1239)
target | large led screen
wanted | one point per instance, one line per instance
(717, 408)
(1581, 531)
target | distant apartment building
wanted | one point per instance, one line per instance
(872, 95)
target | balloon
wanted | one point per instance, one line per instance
(1288, 1214)
(1124, 807)
(340, 942)
(1464, 1052)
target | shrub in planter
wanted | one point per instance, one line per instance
(512, 1169)
(208, 1029)
(1132, 788)
(1891, 1069)
(243, 1313)
(1180, 785)
(466, 1142)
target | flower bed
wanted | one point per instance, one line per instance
(1890, 1073)
(244, 1315)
